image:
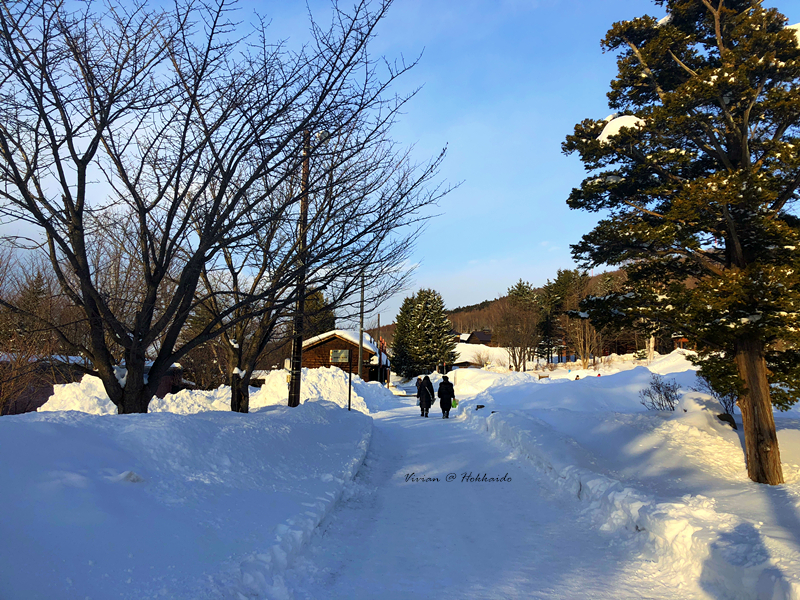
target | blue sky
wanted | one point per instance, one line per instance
(504, 81)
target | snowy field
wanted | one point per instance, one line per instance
(603, 498)
(675, 482)
(172, 504)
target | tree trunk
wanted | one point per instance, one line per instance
(240, 393)
(136, 395)
(761, 440)
(135, 403)
(135, 398)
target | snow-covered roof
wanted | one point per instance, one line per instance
(62, 358)
(615, 125)
(350, 336)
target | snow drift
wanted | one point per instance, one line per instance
(674, 483)
(202, 503)
(329, 384)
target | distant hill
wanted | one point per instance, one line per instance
(386, 332)
(473, 317)
(471, 307)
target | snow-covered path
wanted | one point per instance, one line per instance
(392, 537)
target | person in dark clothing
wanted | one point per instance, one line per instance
(429, 386)
(426, 396)
(446, 395)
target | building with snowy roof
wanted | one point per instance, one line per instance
(339, 348)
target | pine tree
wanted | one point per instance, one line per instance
(33, 300)
(405, 341)
(437, 345)
(522, 294)
(551, 302)
(320, 317)
(422, 337)
(699, 172)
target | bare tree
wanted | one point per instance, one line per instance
(170, 124)
(518, 329)
(482, 358)
(582, 337)
(579, 334)
(363, 200)
(31, 357)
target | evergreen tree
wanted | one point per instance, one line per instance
(33, 300)
(207, 364)
(551, 302)
(422, 337)
(522, 294)
(405, 341)
(699, 174)
(437, 345)
(320, 317)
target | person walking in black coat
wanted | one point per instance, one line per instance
(426, 396)
(446, 395)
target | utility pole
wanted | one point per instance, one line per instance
(361, 331)
(349, 377)
(300, 306)
(380, 352)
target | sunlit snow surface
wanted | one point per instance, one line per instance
(608, 500)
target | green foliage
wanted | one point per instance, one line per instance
(553, 300)
(522, 294)
(718, 377)
(700, 182)
(320, 317)
(33, 299)
(784, 370)
(422, 338)
(206, 365)
(405, 341)
(470, 307)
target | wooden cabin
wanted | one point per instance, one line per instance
(339, 348)
(481, 337)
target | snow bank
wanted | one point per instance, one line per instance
(619, 392)
(213, 504)
(672, 484)
(691, 538)
(88, 396)
(188, 402)
(329, 384)
(481, 354)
